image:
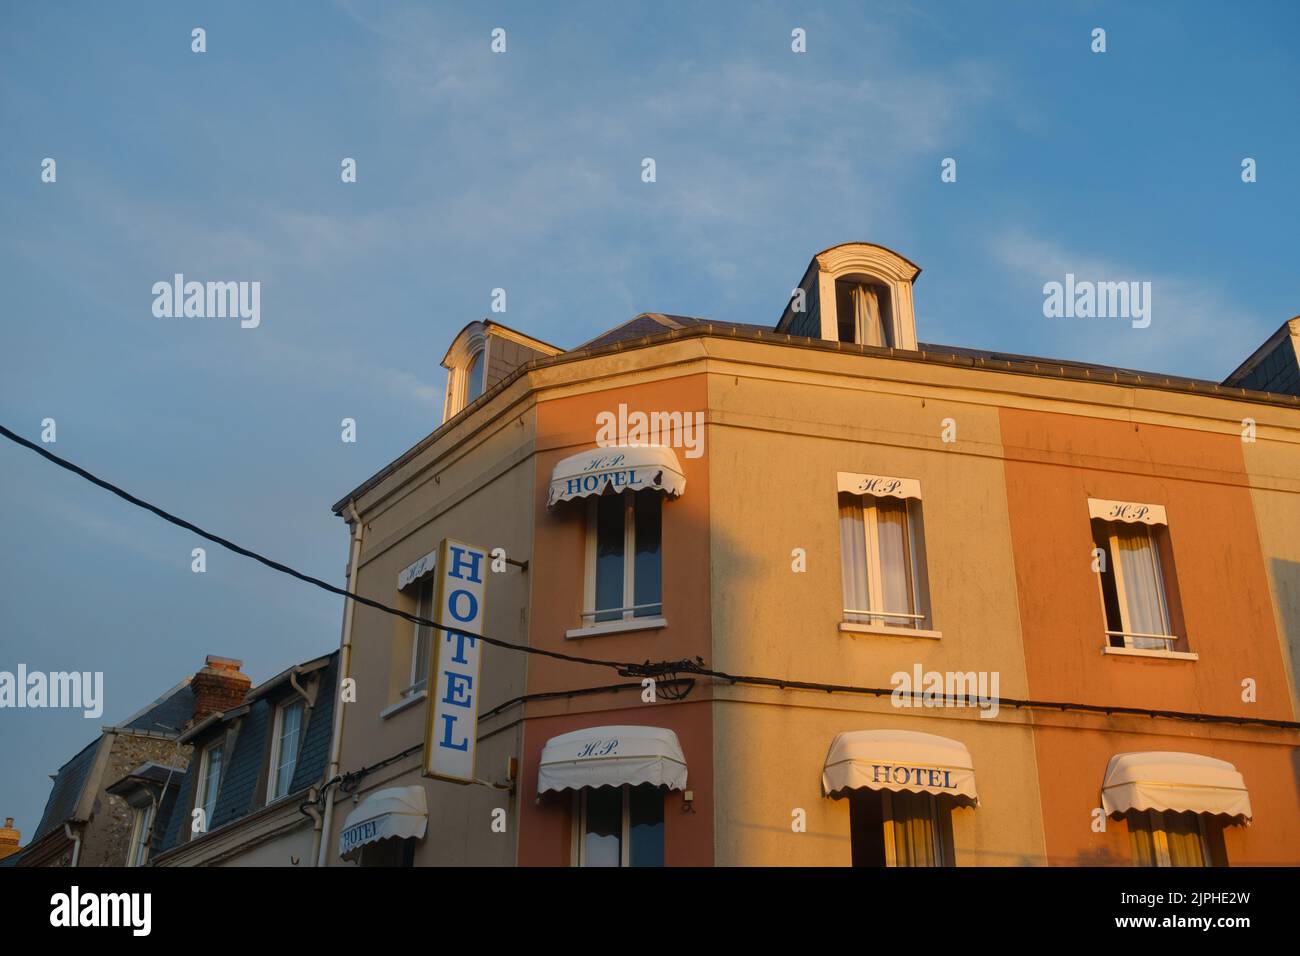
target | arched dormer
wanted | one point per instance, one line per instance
(855, 292)
(466, 367)
(480, 356)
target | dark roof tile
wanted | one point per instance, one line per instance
(66, 792)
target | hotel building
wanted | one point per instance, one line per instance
(1084, 581)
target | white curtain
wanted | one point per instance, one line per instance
(423, 637)
(1183, 831)
(1144, 592)
(913, 825)
(866, 315)
(1180, 834)
(853, 559)
(895, 560)
(290, 732)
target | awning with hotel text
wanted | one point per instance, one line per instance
(620, 468)
(898, 760)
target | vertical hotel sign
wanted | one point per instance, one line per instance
(451, 717)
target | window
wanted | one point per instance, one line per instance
(1167, 838)
(1136, 582)
(900, 828)
(475, 377)
(285, 740)
(138, 851)
(466, 364)
(210, 781)
(392, 852)
(882, 554)
(624, 563)
(422, 643)
(863, 313)
(621, 826)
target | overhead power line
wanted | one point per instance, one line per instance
(628, 668)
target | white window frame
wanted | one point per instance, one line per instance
(629, 609)
(419, 683)
(1117, 570)
(205, 764)
(458, 378)
(910, 621)
(579, 837)
(142, 822)
(277, 725)
(888, 323)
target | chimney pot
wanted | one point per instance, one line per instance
(219, 686)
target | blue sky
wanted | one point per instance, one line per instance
(522, 170)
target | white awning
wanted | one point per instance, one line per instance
(879, 485)
(1134, 512)
(394, 812)
(417, 571)
(1169, 780)
(611, 757)
(622, 468)
(898, 760)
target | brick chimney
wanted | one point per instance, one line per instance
(9, 838)
(220, 686)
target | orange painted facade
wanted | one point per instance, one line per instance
(1054, 464)
(565, 426)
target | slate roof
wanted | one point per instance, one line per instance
(168, 714)
(237, 790)
(655, 323)
(1274, 366)
(168, 833)
(238, 794)
(164, 715)
(66, 792)
(314, 759)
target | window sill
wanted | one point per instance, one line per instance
(1159, 655)
(617, 627)
(888, 630)
(402, 704)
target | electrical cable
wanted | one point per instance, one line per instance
(646, 669)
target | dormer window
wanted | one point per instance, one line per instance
(480, 357)
(864, 313)
(856, 293)
(286, 744)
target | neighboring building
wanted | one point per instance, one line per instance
(85, 823)
(1111, 557)
(10, 839)
(247, 797)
